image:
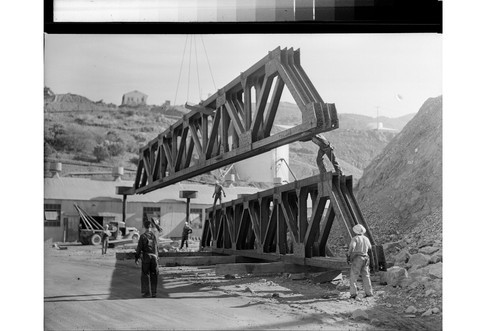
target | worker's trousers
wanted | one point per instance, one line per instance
(105, 243)
(149, 276)
(331, 157)
(360, 264)
(184, 240)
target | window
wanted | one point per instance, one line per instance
(52, 215)
(148, 212)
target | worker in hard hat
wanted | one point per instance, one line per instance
(325, 148)
(218, 191)
(357, 256)
(147, 251)
(105, 239)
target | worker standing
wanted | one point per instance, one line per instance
(218, 191)
(325, 148)
(105, 239)
(147, 251)
(357, 256)
(186, 231)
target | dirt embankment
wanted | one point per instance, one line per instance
(401, 190)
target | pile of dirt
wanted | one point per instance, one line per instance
(400, 192)
(72, 102)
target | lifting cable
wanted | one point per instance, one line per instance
(209, 67)
(197, 68)
(180, 71)
(290, 169)
(189, 67)
(191, 39)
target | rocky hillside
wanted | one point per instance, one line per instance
(355, 143)
(400, 191)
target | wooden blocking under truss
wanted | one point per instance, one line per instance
(259, 268)
(196, 260)
(292, 220)
(326, 276)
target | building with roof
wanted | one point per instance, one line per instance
(100, 200)
(134, 98)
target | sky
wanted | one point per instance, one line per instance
(395, 73)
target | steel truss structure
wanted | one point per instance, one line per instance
(275, 223)
(235, 123)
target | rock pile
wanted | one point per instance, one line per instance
(416, 275)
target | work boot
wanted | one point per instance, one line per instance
(153, 295)
(146, 295)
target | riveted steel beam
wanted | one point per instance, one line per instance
(227, 127)
(275, 221)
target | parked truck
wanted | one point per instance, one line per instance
(90, 231)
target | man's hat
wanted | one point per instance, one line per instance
(359, 229)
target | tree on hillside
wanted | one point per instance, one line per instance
(116, 148)
(56, 130)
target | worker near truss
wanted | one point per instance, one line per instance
(105, 239)
(357, 256)
(186, 231)
(218, 191)
(147, 251)
(325, 148)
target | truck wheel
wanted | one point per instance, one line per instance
(95, 240)
(135, 237)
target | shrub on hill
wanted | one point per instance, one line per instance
(101, 153)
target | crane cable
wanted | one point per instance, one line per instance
(189, 66)
(209, 67)
(197, 69)
(290, 169)
(180, 71)
(191, 38)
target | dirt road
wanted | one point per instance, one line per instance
(87, 291)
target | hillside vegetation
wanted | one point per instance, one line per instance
(89, 136)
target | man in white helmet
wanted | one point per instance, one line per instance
(357, 255)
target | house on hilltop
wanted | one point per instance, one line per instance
(134, 98)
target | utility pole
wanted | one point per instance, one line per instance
(188, 195)
(377, 116)
(124, 191)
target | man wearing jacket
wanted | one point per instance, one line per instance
(357, 255)
(325, 148)
(185, 234)
(147, 251)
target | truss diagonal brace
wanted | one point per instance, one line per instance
(229, 132)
